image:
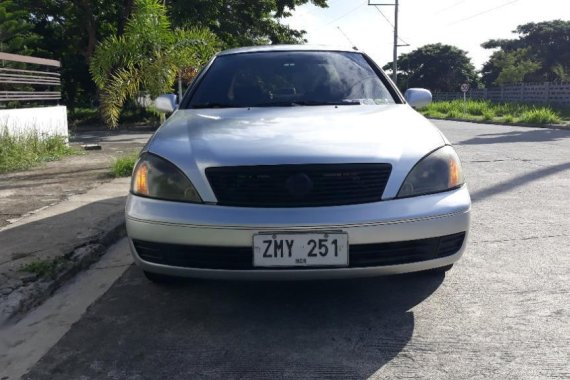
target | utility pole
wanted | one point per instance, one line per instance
(396, 45)
(395, 61)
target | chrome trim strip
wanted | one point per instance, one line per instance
(312, 227)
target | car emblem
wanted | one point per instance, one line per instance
(299, 185)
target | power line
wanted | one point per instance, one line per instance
(345, 14)
(483, 12)
(450, 7)
(348, 39)
(396, 5)
(390, 23)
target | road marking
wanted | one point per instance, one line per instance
(24, 343)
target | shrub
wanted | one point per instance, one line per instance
(123, 166)
(486, 110)
(22, 151)
(434, 114)
(476, 107)
(454, 114)
(488, 114)
(440, 107)
(540, 116)
(508, 118)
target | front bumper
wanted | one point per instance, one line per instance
(210, 225)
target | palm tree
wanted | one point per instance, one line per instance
(148, 56)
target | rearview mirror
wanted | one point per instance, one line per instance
(418, 97)
(165, 103)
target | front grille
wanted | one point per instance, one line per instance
(360, 255)
(298, 185)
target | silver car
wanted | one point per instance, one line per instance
(296, 162)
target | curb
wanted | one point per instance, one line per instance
(543, 126)
(38, 290)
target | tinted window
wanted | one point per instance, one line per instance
(288, 78)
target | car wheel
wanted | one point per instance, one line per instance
(158, 278)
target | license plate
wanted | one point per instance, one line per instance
(300, 249)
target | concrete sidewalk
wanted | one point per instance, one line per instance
(58, 218)
(59, 241)
(53, 182)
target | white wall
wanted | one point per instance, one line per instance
(46, 121)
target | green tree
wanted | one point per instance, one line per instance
(545, 43)
(514, 66)
(241, 22)
(561, 72)
(436, 67)
(16, 35)
(71, 29)
(147, 56)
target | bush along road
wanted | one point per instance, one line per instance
(500, 113)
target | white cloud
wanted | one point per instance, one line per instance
(423, 22)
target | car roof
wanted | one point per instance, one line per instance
(270, 48)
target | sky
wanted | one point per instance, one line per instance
(463, 23)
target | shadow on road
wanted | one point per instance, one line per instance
(530, 135)
(58, 231)
(521, 180)
(343, 329)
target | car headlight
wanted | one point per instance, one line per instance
(437, 172)
(155, 177)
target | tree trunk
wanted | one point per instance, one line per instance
(85, 9)
(124, 14)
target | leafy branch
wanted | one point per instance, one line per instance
(147, 57)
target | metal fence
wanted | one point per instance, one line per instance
(541, 93)
(20, 82)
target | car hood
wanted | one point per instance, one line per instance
(195, 139)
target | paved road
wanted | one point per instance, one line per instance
(503, 312)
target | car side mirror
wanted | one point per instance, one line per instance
(418, 97)
(165, 103)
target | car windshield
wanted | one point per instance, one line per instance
(288, 78)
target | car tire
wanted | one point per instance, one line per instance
(158, 278)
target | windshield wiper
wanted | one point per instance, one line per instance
(310, 103)
(214, 105)
(280, 104)
(328, 103)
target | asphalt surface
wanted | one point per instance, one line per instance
(503, 312)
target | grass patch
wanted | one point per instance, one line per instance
(540, 116)
(454, 114)
(476, 108)
(485, 110)
(21, 152)
(433, 113)
(488, 114)
(44, 268)
(508, 119)
(123, 166)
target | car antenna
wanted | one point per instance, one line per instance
(348, 39)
